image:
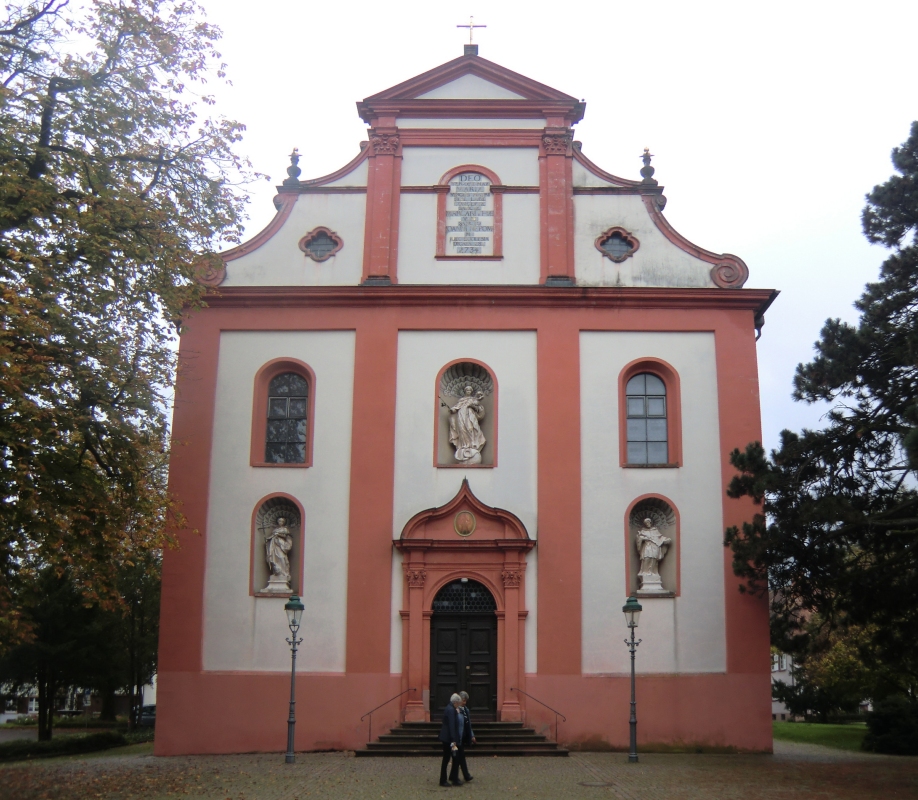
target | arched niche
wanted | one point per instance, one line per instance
(665, 518)
(264, 521)
(453, 383)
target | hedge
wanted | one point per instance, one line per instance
(22, 749)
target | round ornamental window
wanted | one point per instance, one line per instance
(468, 597)
(617, 244)
(321, 244)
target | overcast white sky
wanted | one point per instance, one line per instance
(769, 121)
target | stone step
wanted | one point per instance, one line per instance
(492, 739)
(478, 751)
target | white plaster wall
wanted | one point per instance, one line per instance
(513, 483)
(398, 597)
(658, 262)
(583, 177)
(417, 245)
(242, 632)
(356, 177)
(470, 87)
(280, 262)
(476, 122)
(515, 166)
(683, 634)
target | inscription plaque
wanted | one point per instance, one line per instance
(469, 216)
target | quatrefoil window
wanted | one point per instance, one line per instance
(617, 244)
(320, 244)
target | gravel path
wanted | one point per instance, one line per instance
(794, 771)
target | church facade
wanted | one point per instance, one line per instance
(464, 396)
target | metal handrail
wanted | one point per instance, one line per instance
(370, 712)
(553, 710)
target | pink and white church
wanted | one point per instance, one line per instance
(437, 398)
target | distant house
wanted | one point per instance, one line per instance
(782, 669)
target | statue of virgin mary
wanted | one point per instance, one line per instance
(464, 431)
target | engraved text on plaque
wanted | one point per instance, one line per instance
(469, 216)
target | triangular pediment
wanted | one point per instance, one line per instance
(470, 87)
(468, 79)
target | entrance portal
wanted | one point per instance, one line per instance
(463, 648)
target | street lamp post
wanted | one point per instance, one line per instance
(632, 610)
(294, 609)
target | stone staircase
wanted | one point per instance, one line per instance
(493, 739)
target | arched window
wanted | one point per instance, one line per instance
(282, 413)
(285, 435)
(645, 398)
(464, 597)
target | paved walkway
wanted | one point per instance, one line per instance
(793, 772)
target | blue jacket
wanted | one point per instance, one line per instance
(449, 732)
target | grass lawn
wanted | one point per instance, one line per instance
(843, 737)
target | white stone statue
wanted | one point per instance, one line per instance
(651, 546)
(278, 543)
(464, 431)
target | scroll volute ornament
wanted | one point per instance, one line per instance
(730, 273)
(624, 236)
(210, 270)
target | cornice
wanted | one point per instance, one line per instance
(757, 300)
(468, 109)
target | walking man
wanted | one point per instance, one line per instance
(451, 738)
(468, 735)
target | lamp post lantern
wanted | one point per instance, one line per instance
(294, 608)
(632, 610)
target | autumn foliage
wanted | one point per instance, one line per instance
(115, 184)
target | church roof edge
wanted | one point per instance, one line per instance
(535, 97)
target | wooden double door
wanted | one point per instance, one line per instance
(463, 657)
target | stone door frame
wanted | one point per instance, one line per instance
(435, 554)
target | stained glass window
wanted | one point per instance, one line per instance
(645, 397)
(288, 401)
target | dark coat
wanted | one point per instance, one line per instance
(449, 732)
(467, 733)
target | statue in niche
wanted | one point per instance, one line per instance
(466, 385)
(651, 546)
(464, 429)
(278, 544)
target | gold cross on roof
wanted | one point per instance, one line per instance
(471, 26)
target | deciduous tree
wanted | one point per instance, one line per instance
(115, 186)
